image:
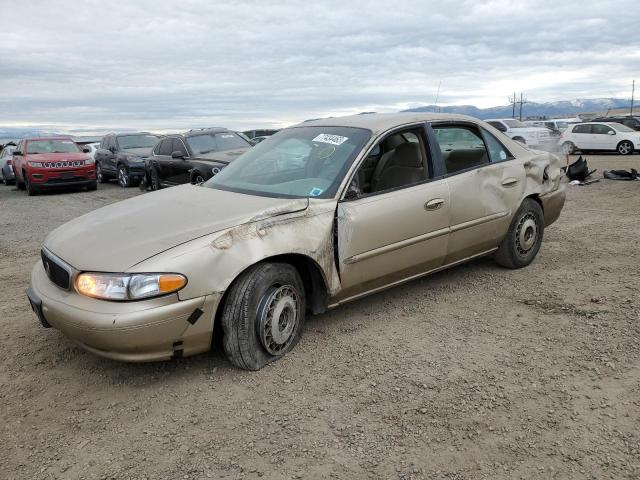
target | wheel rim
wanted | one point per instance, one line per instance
(526, 234)
(567, 148)
(99, 172)
(155, 183)
(123, 178)
(199, 179)
(624, 148)
(278, 319)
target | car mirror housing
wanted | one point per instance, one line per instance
(177, 154)
(611, 132)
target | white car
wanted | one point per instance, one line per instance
(600, 136)
(553, 125)
(94, 147)
(536, 137)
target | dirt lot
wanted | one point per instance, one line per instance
(473, 373)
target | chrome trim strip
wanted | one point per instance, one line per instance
(408, 279)
(478, 221)
(396, 246)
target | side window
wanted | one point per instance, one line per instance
(178, 146)
(165, 147)
(399, 160)
(462, 147)
(497, 151)
(601, 129)
(581, 129)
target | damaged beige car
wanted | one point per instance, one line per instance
(317, 215)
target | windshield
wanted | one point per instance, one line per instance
(215, 142)
(295, 162)
(514, 123)
(622, 128)
(127, 142)
(52, 146)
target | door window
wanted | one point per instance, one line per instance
(399, 160)
(497, 151)
(178, 146)
(462, 147)
(601, 129)
(581, 129)
(165, 147)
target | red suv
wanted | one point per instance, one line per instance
(41, 163)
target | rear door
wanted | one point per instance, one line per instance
(398, 229)
(582, 137)
(482, 191)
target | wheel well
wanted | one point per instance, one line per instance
(536, 197)
(314, 286)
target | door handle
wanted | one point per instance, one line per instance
(509, 182)
(434, 204)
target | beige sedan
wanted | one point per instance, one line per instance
(315, 216)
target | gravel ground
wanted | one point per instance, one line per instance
(473, 373)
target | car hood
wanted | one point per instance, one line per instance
(117, 237)
(224, 155)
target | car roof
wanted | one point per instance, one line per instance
(57, 137)
(379, 122)
(200, 131)
(133, 133)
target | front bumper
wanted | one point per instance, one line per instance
(51, 178)
(142, 331)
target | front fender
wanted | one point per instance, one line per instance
(211, 263)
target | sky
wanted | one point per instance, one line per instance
(93, 66)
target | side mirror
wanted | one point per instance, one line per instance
(86, 149)
(611, 132)
(353, 191)
(177, 154)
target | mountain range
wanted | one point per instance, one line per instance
(564, 108)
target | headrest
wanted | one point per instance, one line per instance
(407, 155)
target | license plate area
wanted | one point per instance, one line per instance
(36, 306)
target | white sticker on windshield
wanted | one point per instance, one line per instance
(332, 139)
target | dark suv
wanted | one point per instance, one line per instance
(194, 156)
(631, 122)
(122, 156)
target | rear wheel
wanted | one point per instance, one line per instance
(625, 147)
(522, 242)
(263, 315)
(123, 177)
(100, 176)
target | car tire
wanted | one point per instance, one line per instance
(196, 178)
(568, 148)
(100, 176)
(31, 190)
(92, 186)
(625, 147)
(124, 180)
(264, 290)
(524, 238)
(155, 179)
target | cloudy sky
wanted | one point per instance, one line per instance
(99, 65)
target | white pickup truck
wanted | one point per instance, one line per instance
(535, 137)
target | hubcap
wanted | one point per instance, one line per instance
(155, 181)
(568, 148)
(123, 177)
(624, 148)
(98, 172)
(526, 234)
(278, 319)
(199, 179)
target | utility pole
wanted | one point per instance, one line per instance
(513, 100)
(633, 91)
(522, 102)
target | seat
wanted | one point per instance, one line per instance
(463, 158)
(403, 168)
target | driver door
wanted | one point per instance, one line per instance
(385, 237)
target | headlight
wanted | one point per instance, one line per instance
(89, 161)
(36, 164)
(113, 286)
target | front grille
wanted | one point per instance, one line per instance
(64, 164)
(57, 272)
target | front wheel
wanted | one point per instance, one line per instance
(155, 179)
(123, 177)
(31, 189)
(522, 242)
(100, 176)
(263, 315)
(625, 148)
